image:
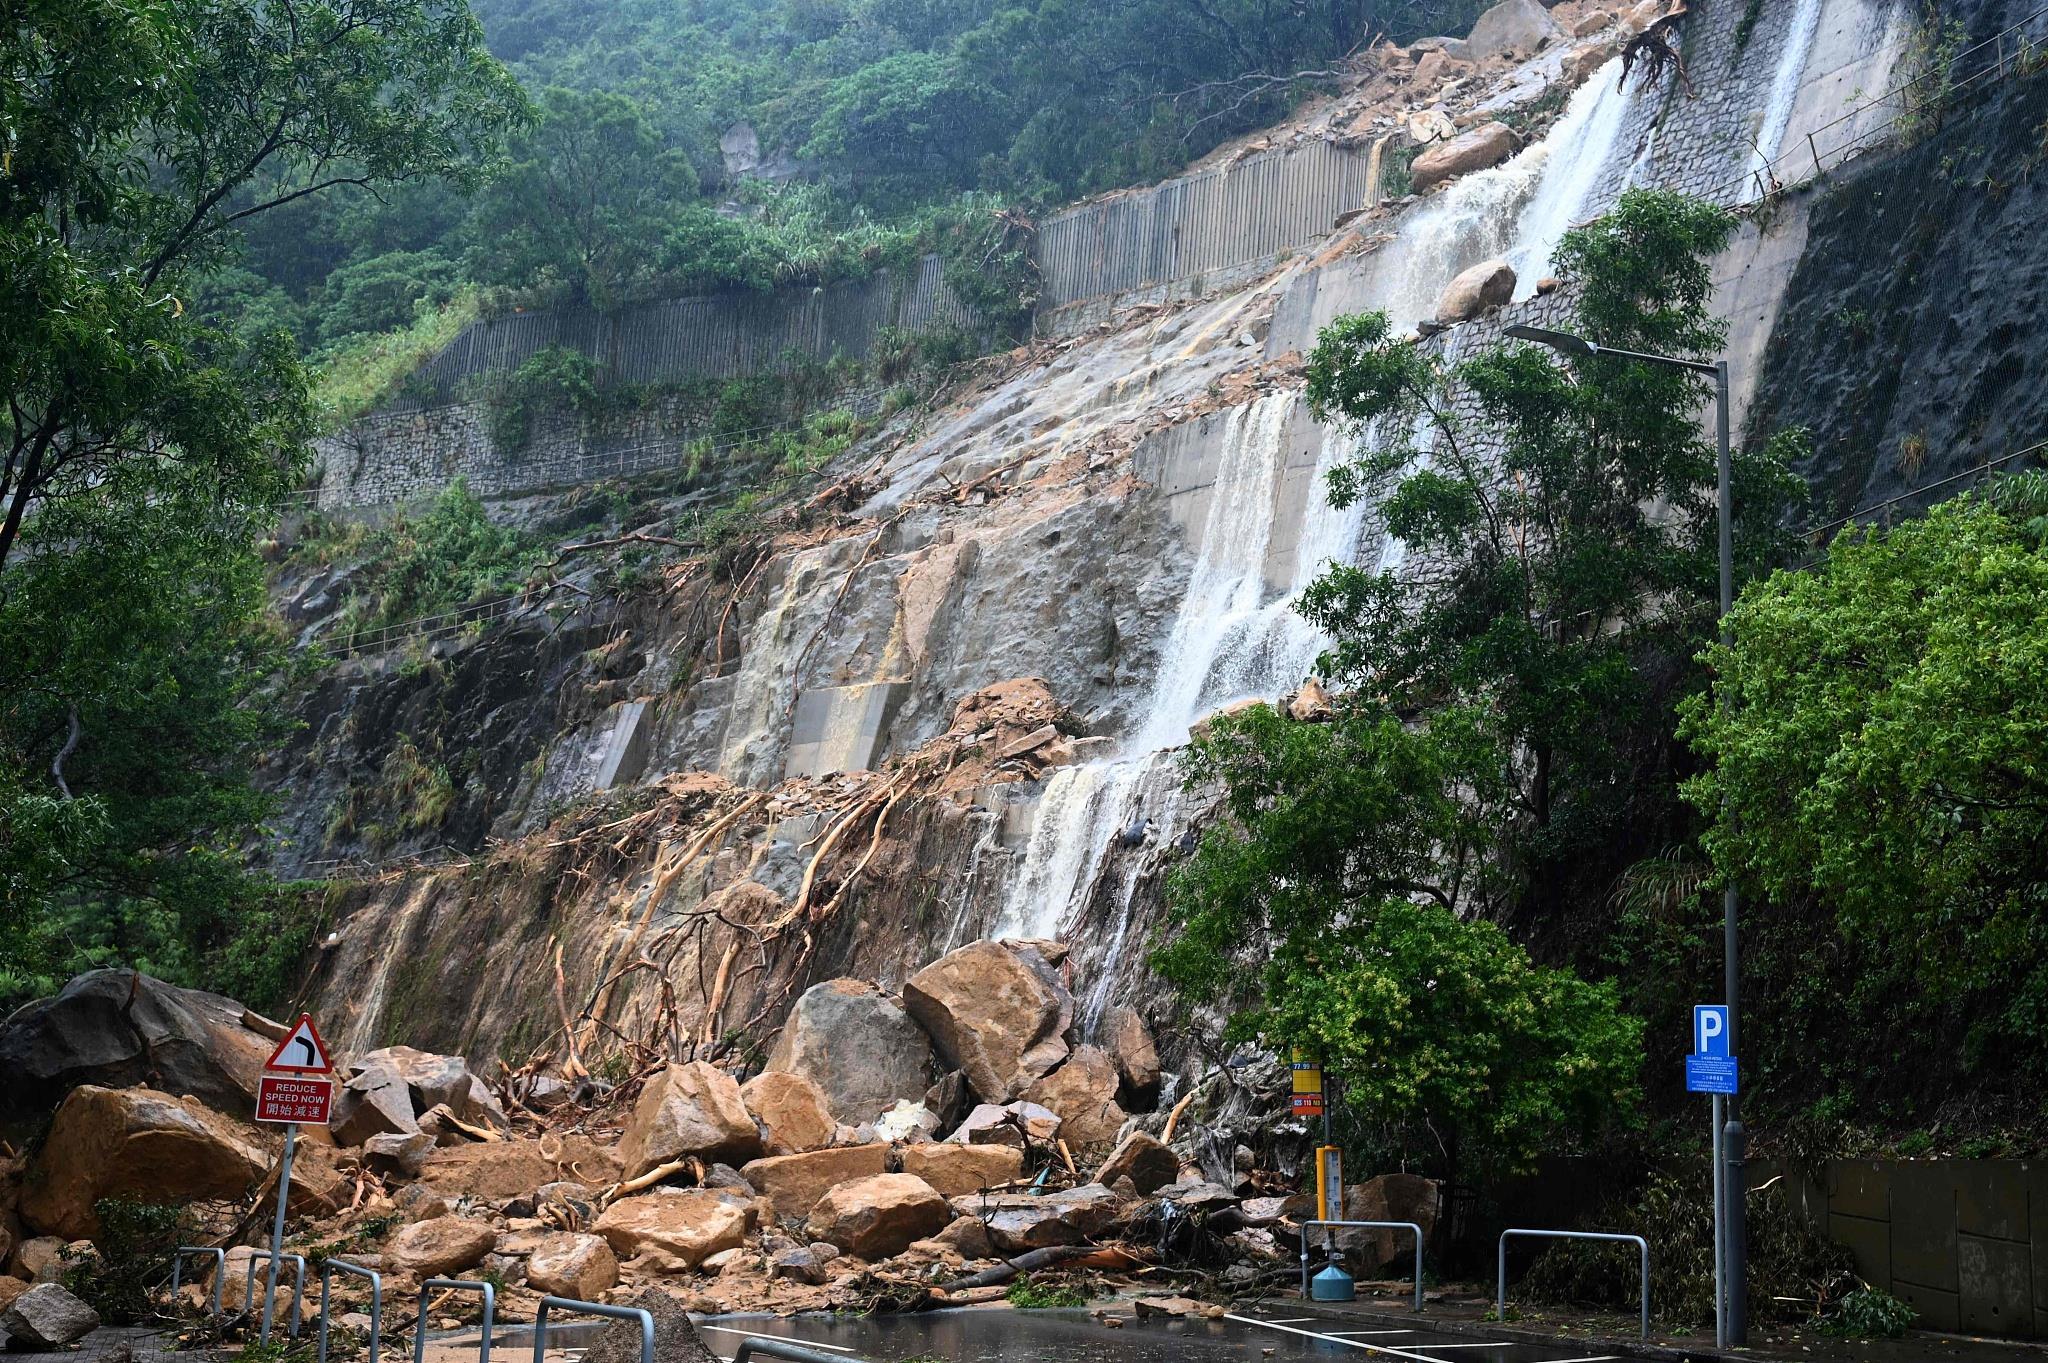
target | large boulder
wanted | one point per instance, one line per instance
(573, 1265)
(954, 1169)
(675, 1338)
(136, 1143)
(440, 1246)
(878, 1216)
(1489, 144)
(1390, 1197)
(1017, 1124)
(1146, 1161)
(373, 1101)
(433, 1080)
(47, 1317)
(515, 1167)
(1481, 288)
(1512, 28)
(1082, 1093)
(1023, 1221)
(794, 1113)
(121, 1029)
(692, 1109)
(672, 1230)
(857, 1045)
(1127, 1038)
(10, 1288)
(993, 1015)
(794, 1183)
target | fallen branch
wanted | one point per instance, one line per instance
(1027, 1262)
(1173, 1117)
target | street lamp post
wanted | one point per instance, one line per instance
(1731, 1263)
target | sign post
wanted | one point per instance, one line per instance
(303, 1092)
(1711, 1070)
(1309, 1100)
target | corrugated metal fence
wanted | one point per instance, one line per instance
(1258, 207)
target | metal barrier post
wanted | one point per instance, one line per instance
(220, 1268)
(275, 1260)
(490, 1296)
(1642, 1249)
(1330, 1244)
(540, 1323)
(328, 1268)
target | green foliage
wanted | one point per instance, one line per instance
(1869, 1313)
(1032, 1296)
(355, 376)
(130, 1255)
(384, 293)
(430, 564)
(551, 379)
(1876, 733)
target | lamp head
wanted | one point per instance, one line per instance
(1562, 341)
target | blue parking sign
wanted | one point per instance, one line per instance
(1710, 1074)
(1710, 1030)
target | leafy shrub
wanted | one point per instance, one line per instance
(1033, 1296)
(131, 1253)
(1869, 1313)
(551, 379)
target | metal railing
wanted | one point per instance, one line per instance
(220, 1268)
(1642, 1247)
(1330, 1246)
(269, 1258)
(490, 1296)
(782, 1348)
(540, 1323)
(328, 1269)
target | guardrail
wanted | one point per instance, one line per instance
(328, 1268)
(490, 1296)
(274, 1260)
(540, 1323)
(1642, 1246)
(220, 1268)
(1330, 1244)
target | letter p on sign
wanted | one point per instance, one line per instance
(1710, 1029)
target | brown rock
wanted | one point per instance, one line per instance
(1512, 27)
(573, 1265)
(1020, 1221)
(515, 1167)
(675, 1338)
(390, 1152)
(1176, 1307)
(991, 1015)
(134, 1143)
(373, 1102)
(879, 1216)
(1486, 145)
(1082, 1093)
(433, 1080)
(1390, 1197)
(676, 1229)
(1311, 704)
(1590, 22)
(10, 1288)
(1479, 289)
(38, 1259)
(1149, 1164)
(1012, 1124)
(692, 1109)
(1130, 1041)
(967, 1237)
(954, 1169)
(439, 1247)
(792, 1108)
(857, 1045)
(794, 1183)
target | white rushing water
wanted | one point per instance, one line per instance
(1235, 636)
(1785, 85)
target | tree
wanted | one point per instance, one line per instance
(1876, 732)
(912, 113)
(140, 135)
(582, 201)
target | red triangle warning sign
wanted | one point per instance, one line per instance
(302, 1051)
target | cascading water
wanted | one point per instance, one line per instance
(1233, 636)
(1785, 85)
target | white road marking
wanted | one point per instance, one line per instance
(756, 1334)
(1501, 1344)
(1368, 1332)
(1354, 1343)
(1288, 1320)
(1596, 1358)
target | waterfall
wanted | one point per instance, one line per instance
(1785, 86)
(1518, 209)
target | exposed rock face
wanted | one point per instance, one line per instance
(441, 1246)
(1475, 149)
(1479, 289)
(1513, 26)
(135, 1143)
(572, 1265)
(857, 1045)
(692, 1109)
(992, 1016)
(879, 1216)
(1144, 1160)
(794, 1183)
(793, 1110)
(674, 1231)
(1020, 1221)
(119, 1029)
(955, 1169)
(1082, 1093)
(47, 1317)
